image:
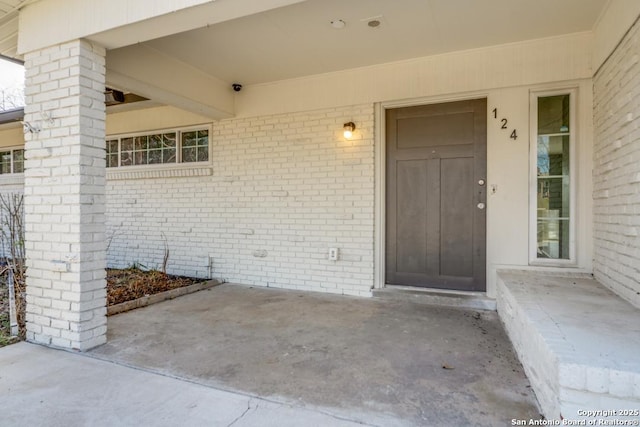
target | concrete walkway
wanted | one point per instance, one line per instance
(374, 361)
(45, 387)
(242, 356)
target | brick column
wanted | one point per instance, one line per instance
(65, 195)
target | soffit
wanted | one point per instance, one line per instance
(298, 40)
(9, 10)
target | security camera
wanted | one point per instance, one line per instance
(237, 87)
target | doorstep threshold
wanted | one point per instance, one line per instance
(439, 297)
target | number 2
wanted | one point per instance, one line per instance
(514, 133)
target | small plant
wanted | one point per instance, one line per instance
(165, 258)
(137, 266)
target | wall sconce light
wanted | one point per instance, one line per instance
(349, 127)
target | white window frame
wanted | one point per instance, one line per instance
(178, 164)
(12, 149)
(533, 178)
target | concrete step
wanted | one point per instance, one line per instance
(578, 342)
(441, 297)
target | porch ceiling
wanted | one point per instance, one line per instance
(298, 40)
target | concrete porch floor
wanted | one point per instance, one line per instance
(370, 361)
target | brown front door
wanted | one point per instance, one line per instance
(436, 195)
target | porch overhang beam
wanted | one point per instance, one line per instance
(154, 75)
(118, 23)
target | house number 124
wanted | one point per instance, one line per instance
(503, 121)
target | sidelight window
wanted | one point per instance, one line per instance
(552, 194)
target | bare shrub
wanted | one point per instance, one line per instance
(13, 250)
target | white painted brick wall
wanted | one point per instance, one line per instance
(537, 359)
(617, 170)
(282, 191)
(64, 196)
(542, 314)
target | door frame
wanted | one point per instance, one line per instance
(380, 146)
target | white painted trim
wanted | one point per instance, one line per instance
(380, 172)
(12, 147)
(197, 126)
(438, 99)
(572, 91)
(122, 173)
(380, 197)
(12, 179)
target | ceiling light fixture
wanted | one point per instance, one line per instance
(338, 24)
(373, 21)
(349, 128)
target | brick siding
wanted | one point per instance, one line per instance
(64, 196)
(281, 191)
(617, 170)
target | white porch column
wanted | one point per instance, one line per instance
(65, 195)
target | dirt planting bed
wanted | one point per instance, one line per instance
(123, 285)
(133, 283)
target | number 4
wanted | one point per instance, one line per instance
(514, 135)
